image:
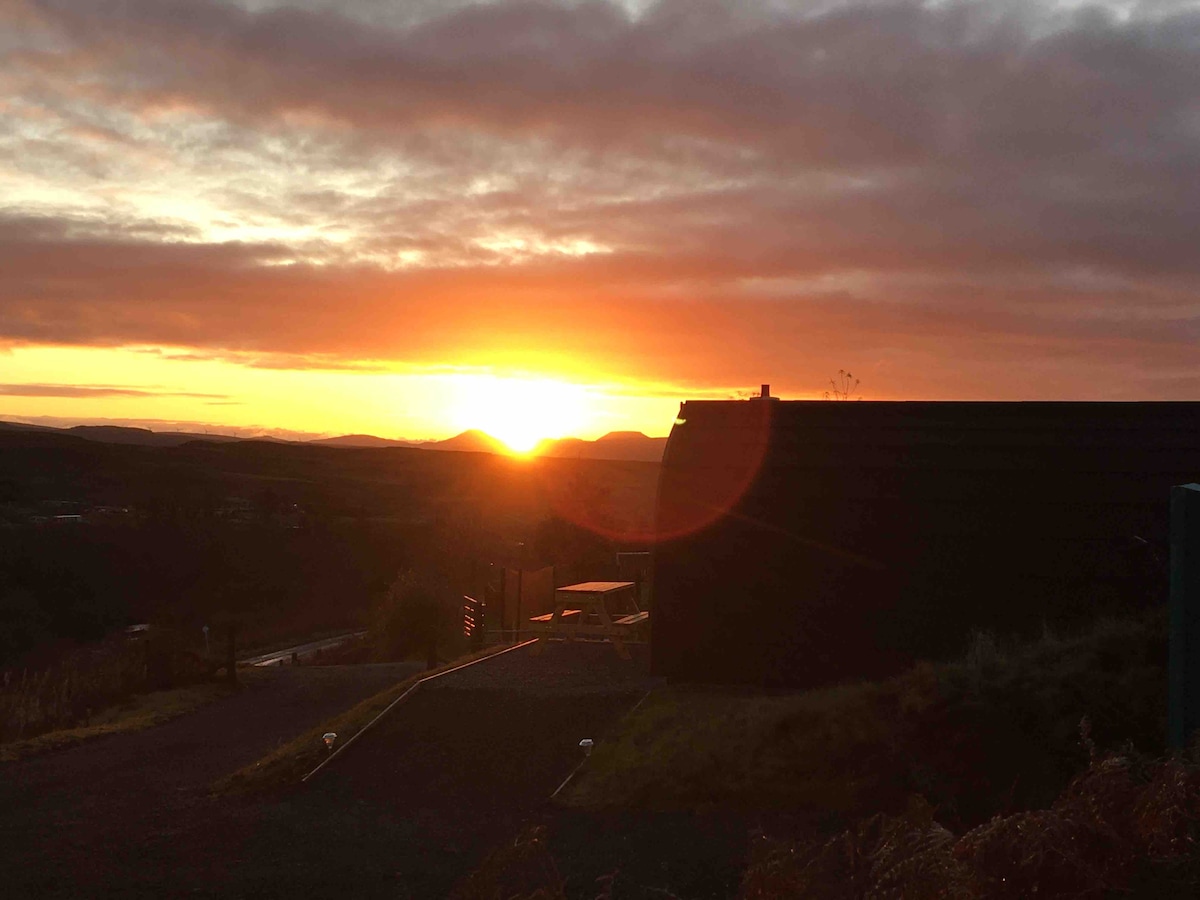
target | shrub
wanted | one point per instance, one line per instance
(418, 614)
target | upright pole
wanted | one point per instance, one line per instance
(1183, 715)
(517, 621)
(231, 654)
(520, 579)
(503, 600)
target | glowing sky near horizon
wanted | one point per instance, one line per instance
(396, 217)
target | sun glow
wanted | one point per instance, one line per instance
(173, 389)
(521, 412)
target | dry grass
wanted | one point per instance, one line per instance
(284, 767)
(81, 683)
(134, 714)
(1126, 825)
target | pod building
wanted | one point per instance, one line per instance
(806, 542)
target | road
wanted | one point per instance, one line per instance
(279, 657)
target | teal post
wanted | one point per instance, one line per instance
(1183, 715)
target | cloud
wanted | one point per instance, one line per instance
(690, 192)
(95, 391)
(671, 319)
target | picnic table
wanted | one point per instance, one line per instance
(603, 610)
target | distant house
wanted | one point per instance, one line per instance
(808, 541)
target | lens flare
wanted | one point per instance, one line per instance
(706, 470)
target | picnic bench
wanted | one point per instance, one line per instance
(582, 611)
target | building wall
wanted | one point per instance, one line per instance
(807, 542)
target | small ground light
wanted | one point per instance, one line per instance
(586, 746)
(329, 737)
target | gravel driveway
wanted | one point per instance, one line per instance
(458, 769)
(116, 810)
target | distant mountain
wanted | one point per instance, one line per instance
(563, 448)
(122, 434)
(617, 445)
(364, 440)
(622, 445)
(630, 445)
(472, 441)
(21, 426)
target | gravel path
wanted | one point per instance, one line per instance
(457, 770)
(561, 669)
(85, 821)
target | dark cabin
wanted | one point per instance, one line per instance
(804, 542)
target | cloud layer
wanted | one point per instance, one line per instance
(953, 199)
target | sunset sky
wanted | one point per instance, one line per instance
(410, 218)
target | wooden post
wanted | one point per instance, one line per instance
(517, 620)
(1183, 714)
(503, 606)
(231, 655)
(518, 624)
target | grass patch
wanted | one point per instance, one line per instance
(68, 692)
(134, 714)
(996, 731)
(286, 765)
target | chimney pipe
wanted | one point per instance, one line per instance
(766, 391)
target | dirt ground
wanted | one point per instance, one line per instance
(456, 771)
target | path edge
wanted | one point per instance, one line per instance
(413, 687)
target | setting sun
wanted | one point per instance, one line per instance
(520, 412)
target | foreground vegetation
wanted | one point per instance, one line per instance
(133, 714)
(1127, 826)
(85, 681)
(1016, 771)
(996, 731)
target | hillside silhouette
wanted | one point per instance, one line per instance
(616, 445)
(282, 537)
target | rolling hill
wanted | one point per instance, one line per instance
(616, 445)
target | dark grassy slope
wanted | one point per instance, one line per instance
(1019, 770)
(997, 730)
(287, 539)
